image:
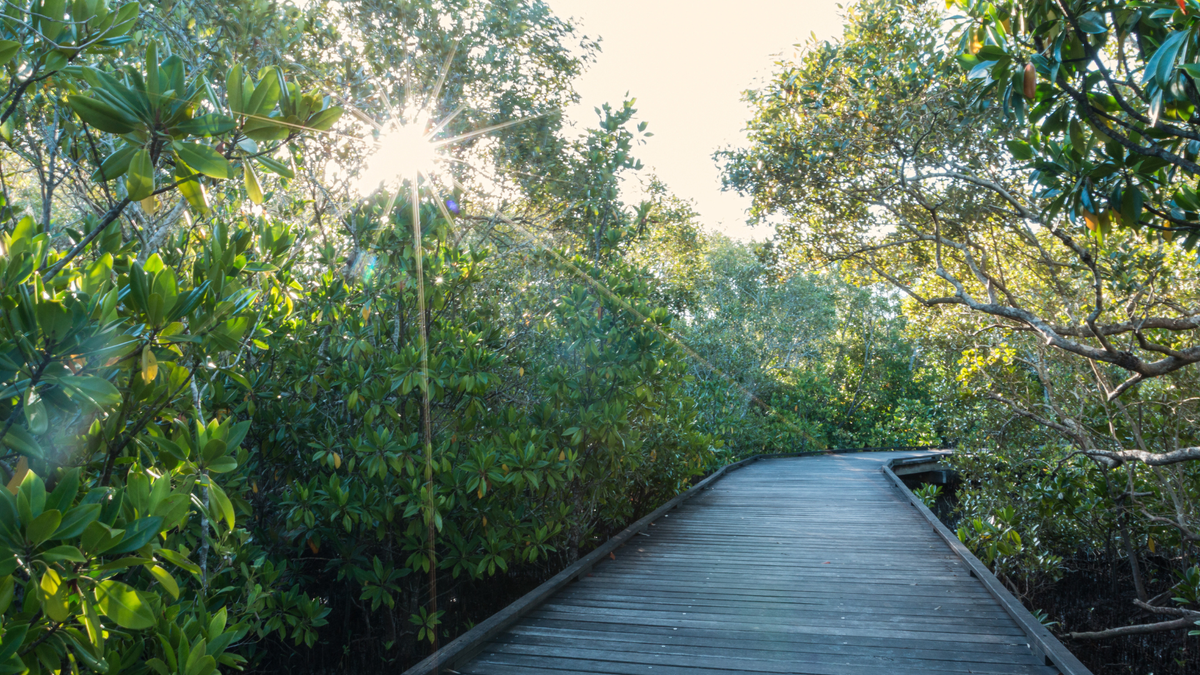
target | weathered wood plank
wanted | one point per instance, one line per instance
(745, 642)
(815, 566)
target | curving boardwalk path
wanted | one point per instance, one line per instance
(817, 566)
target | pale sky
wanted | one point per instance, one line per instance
(687, 64)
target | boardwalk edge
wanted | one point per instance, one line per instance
(1041, 641)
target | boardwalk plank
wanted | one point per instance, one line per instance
(813, 567)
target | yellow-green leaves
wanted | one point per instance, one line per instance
(198, 661)
(179, 560)
(139, 181)
(53, 596)
(121, 603)
(192, 189)
(253, 189)
(149, 364)
(221, 503)
(164, 577)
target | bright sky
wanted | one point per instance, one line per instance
(687, 64)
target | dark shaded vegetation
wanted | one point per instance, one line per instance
(1095, 595)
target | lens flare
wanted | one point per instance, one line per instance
(403, 152)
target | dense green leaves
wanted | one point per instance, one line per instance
(1112, 111)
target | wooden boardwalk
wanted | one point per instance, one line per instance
(816, 565)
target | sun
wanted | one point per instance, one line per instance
(404, 151)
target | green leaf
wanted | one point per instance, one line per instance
(7, 591)
(53, 594)
(14, 636)
(323, 120)
(97, 392)
(124, 563)
(139, 287)
(98, 537)
(64, 493)
(76, 520)
(1092, 23)
(212, 124)
(54, 319)
(43, 526)
(139, 180)
(237, 377)
(1075, 133)
(102, 115)
(20, 440)
(222, 503)
(137, 534)
(126, 18)
(171, 448)
(265, 96)
(1162, 63)
(127, 607)
(83, 648)
(1131, 206)
(36, 418)
(265, 130)
(186, 302)
(200, 663)
(233, 88)
(178, 559)
(115, 165)
(8, 49)
(222, 465)
(277, 167)
(981, 70)
(214, 449)
(192, 190)
(61, 553)
(164, 577)
(203, 159)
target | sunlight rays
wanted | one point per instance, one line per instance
(402, 153)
